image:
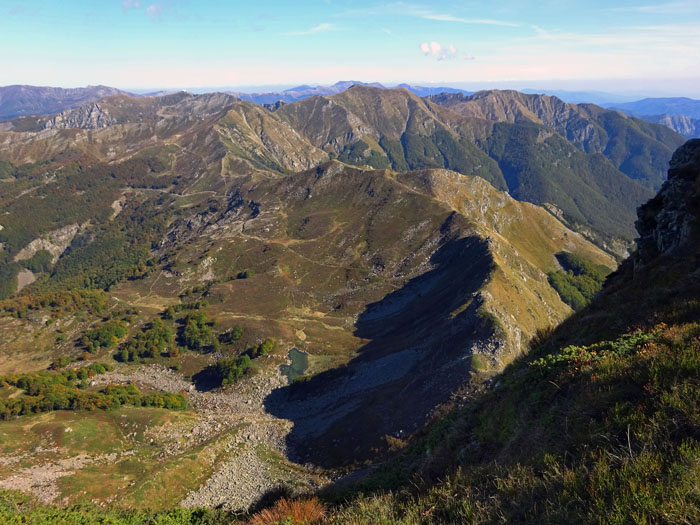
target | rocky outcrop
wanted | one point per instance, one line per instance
(91, 116)
(54, 242)
(671, 220)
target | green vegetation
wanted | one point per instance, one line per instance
(7, 170)
(80, 192)
(245, 274)
(588, 189)
(62, 361)
(58, 303)
(360, 153)
(170, 312)
(8, 278)
(231, 336)
(196, 333)
(39, 262)
(83, 192)
(34, 383)
(394, 151)
(117, 250)
(154, 339)
(231, 369)
(17, 508)
(263, 348)
(66, 390)
(106, 335)
(479, 363)
(579, 281)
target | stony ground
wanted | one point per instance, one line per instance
(256, 455)
(40, 480)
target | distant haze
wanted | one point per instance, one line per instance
(643, 47)
(604, 90)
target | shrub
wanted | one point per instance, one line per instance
(106, 335)
(152, 340)
(40, 262)
(303, 510)
(196, 332)
(231, 369)
(263, 348)
(232, 335)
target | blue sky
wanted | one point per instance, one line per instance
(208, 43)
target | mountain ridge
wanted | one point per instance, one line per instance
(382, 128)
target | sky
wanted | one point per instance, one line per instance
(622, 46)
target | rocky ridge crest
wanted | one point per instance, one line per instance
(671, 220)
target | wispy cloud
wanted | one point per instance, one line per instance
(449, 52)
(418, 11)
(631, 39)
(450, 18)
(318, 28)
(663, 8)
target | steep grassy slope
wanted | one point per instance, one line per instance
(541, 167)
(599, 423)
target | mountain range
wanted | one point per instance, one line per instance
(396, 129)
(407, 248)
(678, 114)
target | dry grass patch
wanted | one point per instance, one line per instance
(291, 511)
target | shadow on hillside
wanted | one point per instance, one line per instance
(421, 341)
(206, 379)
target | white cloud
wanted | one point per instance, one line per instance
(440, 52)
(318, 28)
(130, 4)
(155, 11)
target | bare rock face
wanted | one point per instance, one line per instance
(671, 220)
(91, 116)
